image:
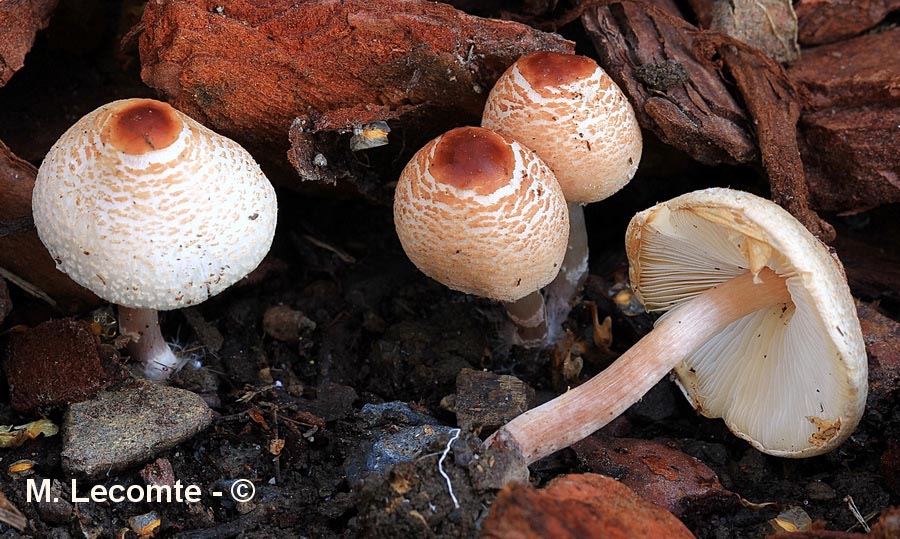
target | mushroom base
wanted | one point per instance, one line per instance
(147, 344)
(578, 413)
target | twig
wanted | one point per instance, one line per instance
(456, 433)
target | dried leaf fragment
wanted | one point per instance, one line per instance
(16, 436)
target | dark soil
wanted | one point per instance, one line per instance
(384, 332)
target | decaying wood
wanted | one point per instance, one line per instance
(642, 46)
(675, 94)
(251, 70)
(827, 21)
(23, 259)
(849, 138)
(20, 20)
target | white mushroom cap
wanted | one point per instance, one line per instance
(149, 209)
(568, 110)
(482, 214)
(789, 380)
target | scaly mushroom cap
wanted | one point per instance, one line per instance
(482, 214)
(149, 209)
(791, 380)
(568, 110)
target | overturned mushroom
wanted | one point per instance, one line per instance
(152, 211)
(759, 326)
(483, 215)
(569, 111)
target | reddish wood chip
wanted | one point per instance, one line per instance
(250, 69)
(19, 22)
(826, 21)
(659, 474)
(578, 506)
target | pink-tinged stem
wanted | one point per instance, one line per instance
(578, 413)
(147, 344)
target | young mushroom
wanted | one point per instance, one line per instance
(759, 326)
(151, 211)
(569, 111)
(484, 215)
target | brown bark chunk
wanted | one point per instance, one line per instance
(827, 21)
(23, 258)
(661, 475)
(578, 506)
(19, 22)
(323, 65)
(53, 364)
(675, 94)
(849, 138)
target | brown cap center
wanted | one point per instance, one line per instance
(473, 158)
(550, 69)
(139, 126)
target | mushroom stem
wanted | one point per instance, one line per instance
(147, 344)
(538, 317)
(576, 414)
(571, 276)
(529, 315)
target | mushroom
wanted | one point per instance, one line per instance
(484, 215)
(758, 324)
(569, 111)
(151, 211)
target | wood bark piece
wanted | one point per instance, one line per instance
(579, 506)
(253, 69)
(675, 94)
(20, 20)
(849, 138)
(24, 260)
(827, 21)
(661, 475)
(772, 101)
(859, 71)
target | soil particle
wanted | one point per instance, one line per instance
(485, 401)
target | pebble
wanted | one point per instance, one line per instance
(58, 510)
(120, 429)
(818, 491)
